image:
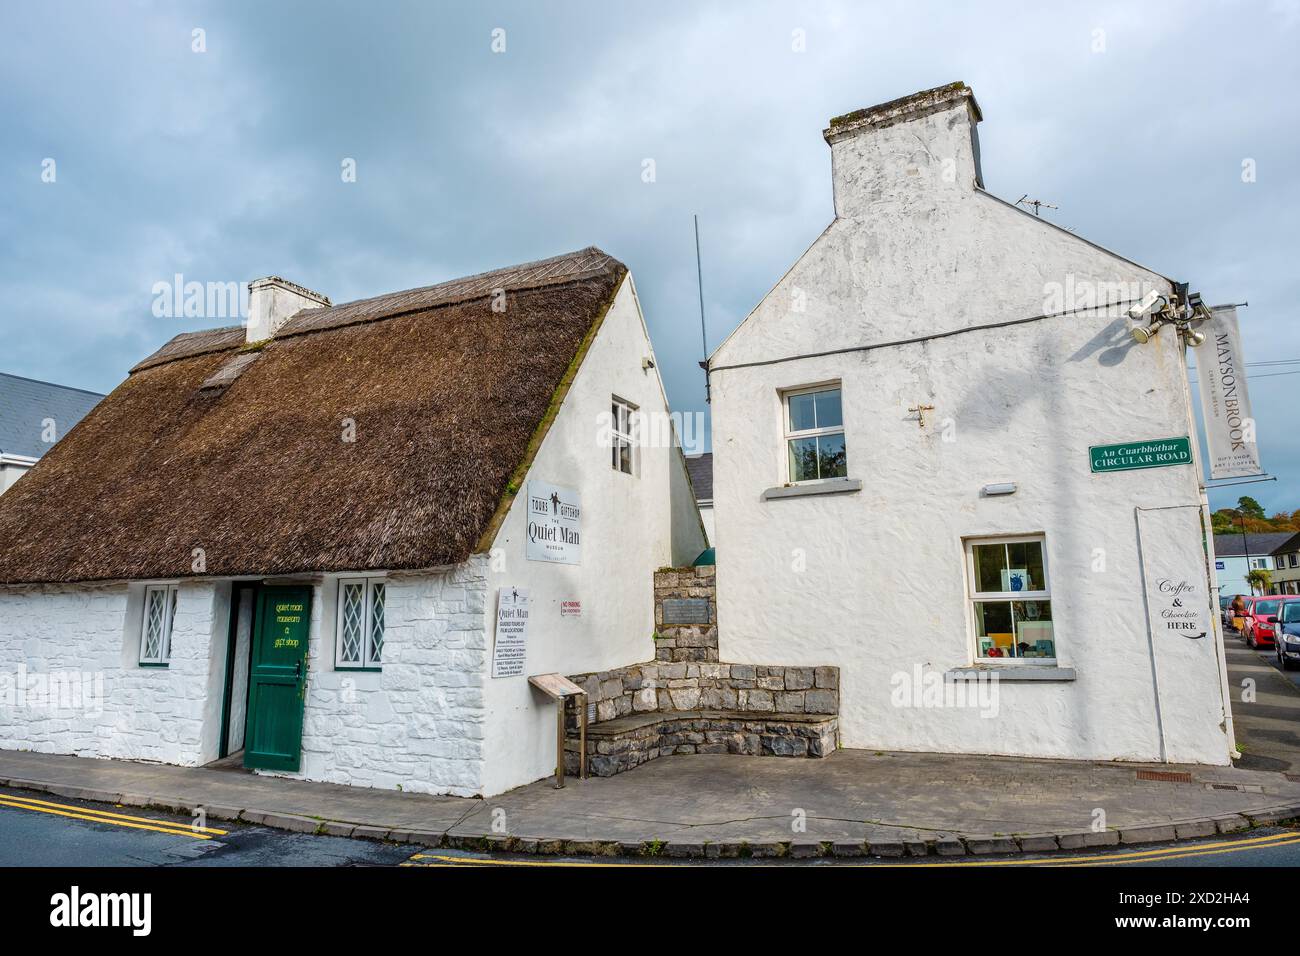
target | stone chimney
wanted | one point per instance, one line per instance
(918, 150)
(271, 301)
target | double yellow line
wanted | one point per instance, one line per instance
(103, 816)
(1102, 858)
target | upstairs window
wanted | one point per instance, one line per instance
(359, 642)
(623, 442)
(814, 434)
(156, 625)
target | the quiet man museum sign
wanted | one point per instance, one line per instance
(1128, 456)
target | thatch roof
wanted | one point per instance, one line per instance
(448, 399)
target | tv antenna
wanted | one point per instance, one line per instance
(704, 335)
(1036, 203)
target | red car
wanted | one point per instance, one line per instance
(1261, 619)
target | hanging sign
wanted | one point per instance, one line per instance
(554, 524)
(1225, 402)
(1131, 455)
(510, 647)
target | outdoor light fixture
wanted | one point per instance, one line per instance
(1144, 333)
(1000, 488)
(1194, 337)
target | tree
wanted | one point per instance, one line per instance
(1250, 507)
(1260, 578)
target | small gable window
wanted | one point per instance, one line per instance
(814, 434)
(359, 642)
(156, 626)
(625, 436)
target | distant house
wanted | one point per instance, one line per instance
(33, 416)
(1286, 567)
(1236, 554)
(701, 470)
(294, 540)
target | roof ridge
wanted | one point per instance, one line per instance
(41, 381)
(538, 273)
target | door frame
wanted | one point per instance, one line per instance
(232, 640)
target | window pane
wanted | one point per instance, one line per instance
(350, 630)
(172, 595)
(1026, 567)
(376, 623)
(829, 413)
(803, 459)
(1034, 628)
(624, 457)
(154, 610)
(990, 566)
(802, 413)
(994, 631)
(832, 462)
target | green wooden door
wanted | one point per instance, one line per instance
(277, 679)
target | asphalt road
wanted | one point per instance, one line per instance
(42, 830)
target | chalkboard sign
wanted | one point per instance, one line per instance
(686, 611)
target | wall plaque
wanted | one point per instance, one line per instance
(686, 611)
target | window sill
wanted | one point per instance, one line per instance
(1013, 672)
(834, 486)
(363, 670)
(154, 664)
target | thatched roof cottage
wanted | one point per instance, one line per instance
(290, 537)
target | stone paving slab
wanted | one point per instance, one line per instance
(852, 803)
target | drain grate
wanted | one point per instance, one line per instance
(1167, 776)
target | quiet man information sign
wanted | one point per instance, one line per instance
(554, 524)
(510, 649)
(1131, 455)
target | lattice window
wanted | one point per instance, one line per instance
(360, 637)
(156, 626)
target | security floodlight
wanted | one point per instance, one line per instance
(1195, 337)
(1143, 334)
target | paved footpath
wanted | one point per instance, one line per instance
(852, 803)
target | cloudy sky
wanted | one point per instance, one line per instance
(225, 164)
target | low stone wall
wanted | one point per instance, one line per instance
(654, 686)
(619, 745)
(687, 701)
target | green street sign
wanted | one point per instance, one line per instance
(1131, 455)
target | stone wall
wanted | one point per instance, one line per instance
(417, 724)
(692, 643)
(757, 688)
(87, 638)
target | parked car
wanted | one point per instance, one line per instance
(1225, 608)
(1287, 645)
(1261, 622)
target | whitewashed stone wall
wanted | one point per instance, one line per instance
(416, 724)
(144, 713)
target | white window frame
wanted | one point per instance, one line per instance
(631, 436)
(171, 595)
(366, 663)
(975, 597)
(791, 434)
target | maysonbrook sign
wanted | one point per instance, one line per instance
(1127, 456)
